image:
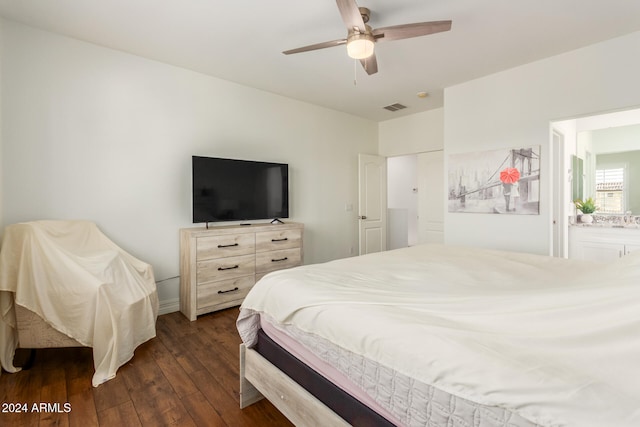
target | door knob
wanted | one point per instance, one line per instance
(362, 217)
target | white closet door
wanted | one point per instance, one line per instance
(431, 197)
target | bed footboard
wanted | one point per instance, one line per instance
(259, 378)
(248, 393)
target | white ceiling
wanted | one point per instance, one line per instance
(242, 41)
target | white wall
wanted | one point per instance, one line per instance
(1, 169)
(616, 139)
(416, 133)
(514, 108)
(103, 135)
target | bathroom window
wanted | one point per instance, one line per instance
(610, 190)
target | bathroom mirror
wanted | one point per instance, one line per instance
(609, 162)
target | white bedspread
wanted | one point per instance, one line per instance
(556, 341)
(82, 284)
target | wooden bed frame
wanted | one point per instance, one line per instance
(261, 379)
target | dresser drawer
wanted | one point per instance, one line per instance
(277, 260)
(222, 246)
(225, 268)
(278, 239)
(222, 292)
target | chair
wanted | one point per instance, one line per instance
(65, 284)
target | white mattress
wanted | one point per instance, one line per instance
(398, 398)
(554, 341)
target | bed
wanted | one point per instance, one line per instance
(436, 335)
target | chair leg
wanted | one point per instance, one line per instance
(32, 357)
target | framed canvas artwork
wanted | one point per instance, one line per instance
(504, 181)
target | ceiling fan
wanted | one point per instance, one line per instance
(361, 37)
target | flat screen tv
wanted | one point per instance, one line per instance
(239, 190)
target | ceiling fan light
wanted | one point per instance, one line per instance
(360, 46)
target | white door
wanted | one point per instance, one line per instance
(372, 198)
(431, 200)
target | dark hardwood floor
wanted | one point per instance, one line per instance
(186, 376)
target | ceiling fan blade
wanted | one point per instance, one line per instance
(351, 15)
(316, 46)
(370, 64)
(406, 31)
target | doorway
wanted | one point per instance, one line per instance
(575, 150)
(402, 201)
(416, 199)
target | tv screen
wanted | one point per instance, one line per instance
(239, 190)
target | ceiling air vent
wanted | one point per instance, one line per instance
(395, 107)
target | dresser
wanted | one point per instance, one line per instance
(219, 265)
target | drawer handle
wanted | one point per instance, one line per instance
(227, 246)
(228, 268)
(280, 259)
(280, 240)
(230, 290)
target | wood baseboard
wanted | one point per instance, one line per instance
(169, 306)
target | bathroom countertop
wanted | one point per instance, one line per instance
(606, 225)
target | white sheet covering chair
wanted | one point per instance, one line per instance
(65, 284)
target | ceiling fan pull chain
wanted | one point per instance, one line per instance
(355, 73)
